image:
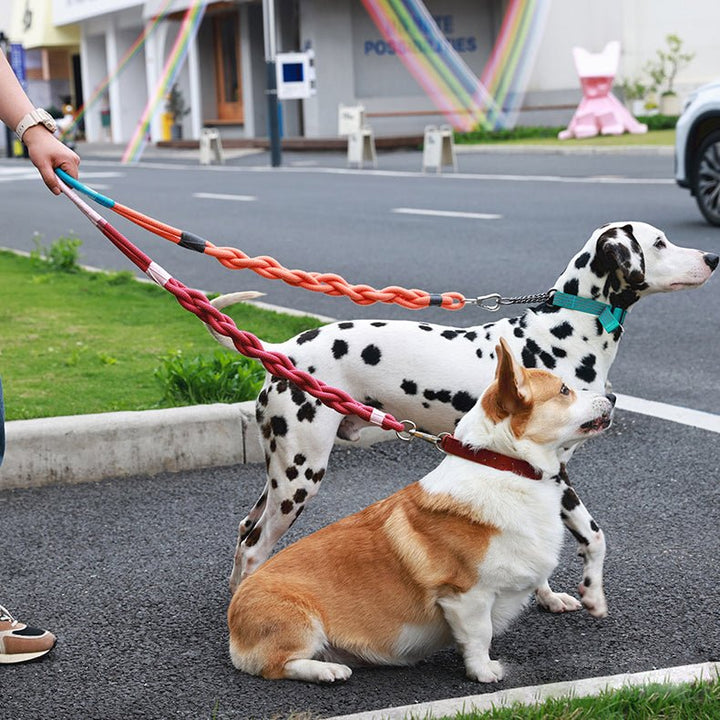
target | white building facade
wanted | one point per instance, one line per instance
(223, 80)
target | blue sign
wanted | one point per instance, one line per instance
(17, 63)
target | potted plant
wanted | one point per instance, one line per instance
(634, 92)
(175, 107)
(663, 71)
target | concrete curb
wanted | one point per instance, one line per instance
(83, 448)
(538, 693)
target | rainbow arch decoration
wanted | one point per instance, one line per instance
(491, 101)
(188, 30)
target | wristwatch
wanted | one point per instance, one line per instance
(36, 117)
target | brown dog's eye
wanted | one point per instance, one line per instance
(564, 390)
(659, 244)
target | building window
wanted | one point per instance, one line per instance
(226, 31)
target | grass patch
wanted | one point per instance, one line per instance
(661, 131)
(694, 701)
(82, 342)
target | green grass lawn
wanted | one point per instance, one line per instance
(76, 343)
(694, 701)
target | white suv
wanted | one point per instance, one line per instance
(697, 150)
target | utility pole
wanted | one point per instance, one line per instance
(4, 43)
(271, 91)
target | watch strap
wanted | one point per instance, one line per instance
(36, 117)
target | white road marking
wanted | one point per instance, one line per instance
(674, 413)
(221, 196)
(447, 213)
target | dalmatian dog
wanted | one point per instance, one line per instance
(432, 374)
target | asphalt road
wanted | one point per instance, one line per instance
(131, 573)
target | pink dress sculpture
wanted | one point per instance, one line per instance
(599, 111)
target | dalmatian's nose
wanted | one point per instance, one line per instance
(711, 260)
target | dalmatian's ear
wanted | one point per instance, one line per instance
(618, 249)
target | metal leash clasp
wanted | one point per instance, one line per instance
(410, 431)
(490, 302)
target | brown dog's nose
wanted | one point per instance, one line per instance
(711, 260)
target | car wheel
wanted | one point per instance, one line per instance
(707, 178)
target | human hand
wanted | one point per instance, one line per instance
(48, 153)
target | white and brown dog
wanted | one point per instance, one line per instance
(450, 559)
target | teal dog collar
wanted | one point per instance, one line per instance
(610, 317)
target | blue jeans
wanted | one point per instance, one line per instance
(2, 425)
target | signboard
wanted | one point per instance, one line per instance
(295, 75)
(17, 63)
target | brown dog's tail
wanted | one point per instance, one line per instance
(223, 301)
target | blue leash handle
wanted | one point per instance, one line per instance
(84, 189)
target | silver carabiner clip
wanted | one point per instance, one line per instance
(490, 302)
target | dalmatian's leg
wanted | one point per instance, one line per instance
(297, 434)
(591, 547)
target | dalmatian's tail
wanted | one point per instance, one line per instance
(223, 301)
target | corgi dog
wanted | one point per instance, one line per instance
(450, 559)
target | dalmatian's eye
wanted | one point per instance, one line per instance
(659, 244)
(564, 390)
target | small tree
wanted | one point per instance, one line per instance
(665, 68)
(175, 106)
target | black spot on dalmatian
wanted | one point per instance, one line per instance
(409, 387)
(586, 371)
(300, 495)
(371, 355)
(308, 474)
(345, 325)
(443, 396)
(427, 328)
(426, 405)
(278, 425)
(307, 336)
(253, 537)
(594, 291)
(273, 445)
(580, 538)
(259, 415)
(605, 345)
(281, 385)
(463, 401)
(377, 323)
(306, 412)
(625, 298)
(339, 348)
(562, 331)
(570, 500)
(572, 287)
(318, 476)
(273, 483)
(472, 336)
(291, 473)
(286, 506)
(263, 397)
(558, 352)
(449, 334)
(299, 459)
(298, 396)
(547, 360)
(292, 360)
(373, 402)
(513, 321)
(311, 369)
(479, 353)
(587, 582)
(582, 260)
(594, 526)
(518, 332)
(529, 354)
(487, 335)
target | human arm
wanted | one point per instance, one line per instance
(45, 150)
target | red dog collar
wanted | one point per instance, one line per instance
(452, 446)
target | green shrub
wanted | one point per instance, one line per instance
(222, 377)
(62, 255)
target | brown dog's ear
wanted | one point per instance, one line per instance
(513, 390)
